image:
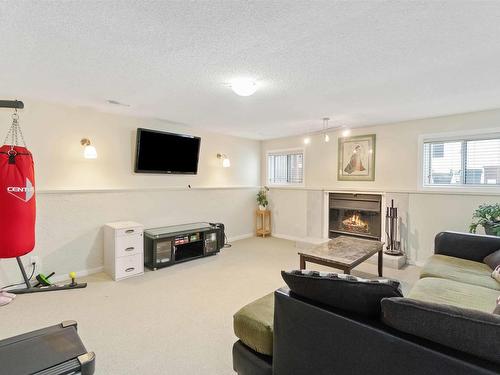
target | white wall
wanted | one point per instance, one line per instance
(75, 196)
(53, 133)
(397, 170)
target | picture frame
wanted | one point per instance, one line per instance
(356, 158)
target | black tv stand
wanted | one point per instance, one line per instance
(167, 246)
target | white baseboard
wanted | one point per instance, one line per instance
(287, 237)
(64, 277)
(240, 237)
(419, 263)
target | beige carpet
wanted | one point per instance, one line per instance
(173, 321)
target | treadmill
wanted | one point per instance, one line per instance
(55, 350)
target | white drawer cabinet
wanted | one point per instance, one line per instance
(129, 245)
(123, 249)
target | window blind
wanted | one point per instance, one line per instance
(462, 162)
(286, 167)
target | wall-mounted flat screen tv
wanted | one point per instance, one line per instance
(162, 152)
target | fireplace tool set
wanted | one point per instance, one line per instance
(392, 231)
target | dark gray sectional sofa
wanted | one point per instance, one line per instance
(445, 325)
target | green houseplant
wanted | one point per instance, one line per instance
(488, 216)
(262, 198)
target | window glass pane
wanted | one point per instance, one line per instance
(438, 150)
(483, 162)
(278, 169)
(444, 164)
(286, 168)
(295, 168)
(465, 162)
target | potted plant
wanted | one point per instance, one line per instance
(488, 216)
(262, 198)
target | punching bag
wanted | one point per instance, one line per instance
(17, 195)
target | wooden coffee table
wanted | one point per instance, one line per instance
(343, 253)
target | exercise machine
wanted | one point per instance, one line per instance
(55, 350)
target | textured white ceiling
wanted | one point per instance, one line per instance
(358, 62)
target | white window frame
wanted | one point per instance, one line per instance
(468, 135)
(284, 151)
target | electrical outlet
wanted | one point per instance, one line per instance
(34, 259)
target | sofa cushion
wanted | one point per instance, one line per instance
(346, 292)
(247, 361)
(458, 269)
(454, 293)
(493, 260)
(253, 324)
(469, 331)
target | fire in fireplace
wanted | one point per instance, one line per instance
(354, 223)
(355, 214)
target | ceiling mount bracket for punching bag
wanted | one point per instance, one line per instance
(15, 104)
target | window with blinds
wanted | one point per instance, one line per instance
(285, 168)
(466, 162)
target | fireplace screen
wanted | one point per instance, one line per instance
(357, 215)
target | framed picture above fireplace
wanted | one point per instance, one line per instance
(357, 158)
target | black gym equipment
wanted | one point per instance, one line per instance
(55, 350)
(16, 104)
(41, 286)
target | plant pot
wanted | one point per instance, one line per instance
(489, 228)
(262, 208)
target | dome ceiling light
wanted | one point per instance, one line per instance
(243, 86)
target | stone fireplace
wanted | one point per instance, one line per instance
(356, 215)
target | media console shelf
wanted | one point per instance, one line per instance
(166, 246)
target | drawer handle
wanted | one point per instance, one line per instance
(130, 231)
(130, 248)
(130, 269)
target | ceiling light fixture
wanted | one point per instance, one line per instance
(243, 86)
(325, 128)
(226, 163)
(89, 152)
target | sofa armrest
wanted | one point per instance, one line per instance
(468, 246)
(313, 339)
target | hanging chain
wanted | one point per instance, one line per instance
(15, 132)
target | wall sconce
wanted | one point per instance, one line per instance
(226, 163)
(89, 152)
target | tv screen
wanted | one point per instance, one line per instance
(162, 152)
